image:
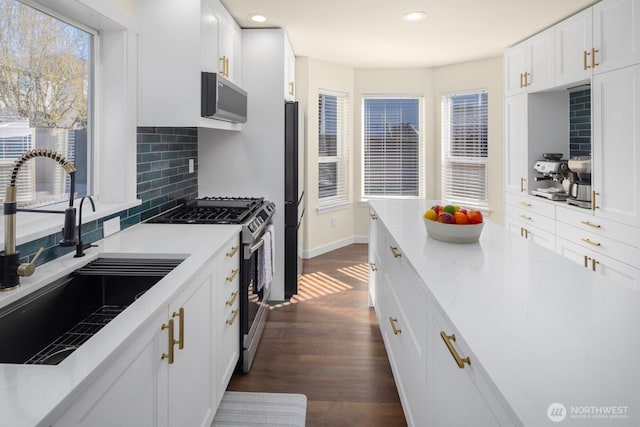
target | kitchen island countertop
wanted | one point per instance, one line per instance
(545, 329)
(36, 394)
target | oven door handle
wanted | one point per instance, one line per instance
(248, 251)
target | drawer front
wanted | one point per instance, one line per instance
(529, 232)
(600, 244)
(530, 218)
(600, 226)
(532, 204)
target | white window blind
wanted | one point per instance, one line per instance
(464, 148)
(333, 149)
(393, 147)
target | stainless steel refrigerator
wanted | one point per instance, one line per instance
(294, 196)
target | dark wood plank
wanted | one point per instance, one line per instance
(327, 345)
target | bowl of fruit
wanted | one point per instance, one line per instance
(453, 224)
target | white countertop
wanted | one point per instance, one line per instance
(545, 329)
(29, 394)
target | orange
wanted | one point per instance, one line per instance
(474, 216)
(461, 218)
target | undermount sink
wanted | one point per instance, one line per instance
(48, 325)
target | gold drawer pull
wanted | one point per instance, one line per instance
(171, 341)
(234, 273)
(234, 295)
(233, 251)
(180, 314)
(590, 224)
(234, 314)
(447, 340)
(393, 322)
(528, 205)
(528, 218)
(373, 266)
(586, 261)
(591, 242)
(394, 251)
(594, 263)
(373, 216)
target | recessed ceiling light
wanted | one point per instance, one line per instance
(258, 18)
(414, 16)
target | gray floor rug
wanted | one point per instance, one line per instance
(261, 409)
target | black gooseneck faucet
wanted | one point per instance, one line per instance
(80, 247)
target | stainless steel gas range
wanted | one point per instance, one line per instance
(254, 214)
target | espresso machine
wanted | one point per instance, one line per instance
(580, 181)
(552, 172)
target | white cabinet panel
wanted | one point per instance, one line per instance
(573, 48)
(515, 64)
(515, 122)
(616, 34)
(530, 65)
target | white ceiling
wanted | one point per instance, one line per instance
(372, 34)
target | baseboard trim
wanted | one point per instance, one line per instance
(333, 246)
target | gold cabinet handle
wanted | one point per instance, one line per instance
(525, 203)
(594, 205)
(226, 67)
(526, 79)
(234, 273)
(585, 66)
(223, 59)
(594, 263)
(590, 224)
(234, 314)
(291, 87)
(524, 232)
(180, 315)
(522, 189)
(521, 81)
(373, 266)
(171, 341)
(591, 242)
(586, 261)
(373, 216)
(233, 251)
(521, 232)
(594, 64)
(394, 251)
(234, 295)
(528, 218)
(447, 340)
(393, 321)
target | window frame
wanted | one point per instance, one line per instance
(446, 158)
(422, 157)
(342, 198)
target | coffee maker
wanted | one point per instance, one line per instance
(580, 181)
(551, 171)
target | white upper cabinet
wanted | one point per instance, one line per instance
(529, 66)
(573, 48)
(616, 34)
(177, 41)
(616, 145)
(289, 71)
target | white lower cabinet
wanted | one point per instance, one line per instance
(459, 395)
(164, 377)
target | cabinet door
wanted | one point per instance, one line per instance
(515, 65)
(616, 34)
(536, 235)
(515, 121)
(132, 377)
(289, 71)
(209, 29)
(573, 48)
(541, 61)
(190, 376)
(616, 146)
(373, 259)
(229, 45)
(457, 397)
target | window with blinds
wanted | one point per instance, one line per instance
(393, 147)
(464, 148)
(333, 149)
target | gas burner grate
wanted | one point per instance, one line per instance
(64, 345)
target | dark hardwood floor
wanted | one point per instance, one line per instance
(326, 344)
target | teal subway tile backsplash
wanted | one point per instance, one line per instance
(162, 162)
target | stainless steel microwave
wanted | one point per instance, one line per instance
(222, 99)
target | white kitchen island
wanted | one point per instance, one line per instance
(547, 341)
(118, 377)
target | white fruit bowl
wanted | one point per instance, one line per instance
(453, 233)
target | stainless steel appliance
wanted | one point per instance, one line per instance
(580, 192)
(255, 215)
(551, 173)
(221, 99)
(294, 197)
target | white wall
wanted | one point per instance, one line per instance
(311, 76)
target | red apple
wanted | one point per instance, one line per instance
(446, 218)
(474, 216)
